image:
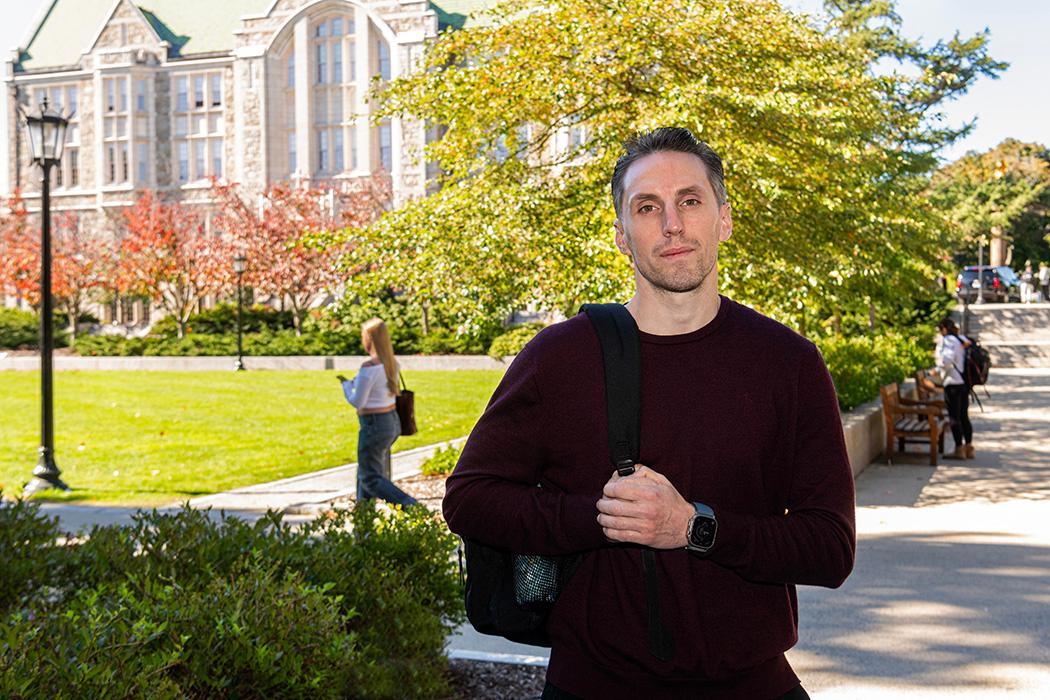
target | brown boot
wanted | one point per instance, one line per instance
(960, 453)
(969, 452)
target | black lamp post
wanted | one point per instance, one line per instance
(47, 136)
(240, 263)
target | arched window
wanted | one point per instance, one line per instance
(333, 71)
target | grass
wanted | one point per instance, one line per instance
(152, 438)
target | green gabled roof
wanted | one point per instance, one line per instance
(455, 14)
(191, 26)
(65, 32)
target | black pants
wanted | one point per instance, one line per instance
(552, 693)
(957, 396)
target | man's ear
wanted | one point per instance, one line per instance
(726, 215)
(621, 238)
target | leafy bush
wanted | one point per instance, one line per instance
(255, 633)
(27, 550)
(511, 342)
(222, 319)
(443, 461)
(190, 605)
(859, 365)
(405, 321)
(18, 328)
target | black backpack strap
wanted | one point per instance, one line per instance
(623, 380)
(622, 356)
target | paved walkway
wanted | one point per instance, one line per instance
(299, 497)
(950, 597)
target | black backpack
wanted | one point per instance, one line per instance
(511, 595)
(976, 365)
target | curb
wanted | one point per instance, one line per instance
(315, 507)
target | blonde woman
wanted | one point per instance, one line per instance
(372, 393)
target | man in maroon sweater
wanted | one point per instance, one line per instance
(744, 488)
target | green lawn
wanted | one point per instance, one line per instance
(149, 438)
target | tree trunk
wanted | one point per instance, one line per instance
(426, 321)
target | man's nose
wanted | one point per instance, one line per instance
(672, 221)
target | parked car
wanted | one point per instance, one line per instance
(1000, 283)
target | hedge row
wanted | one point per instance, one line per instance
(859, 365)
(191, 605)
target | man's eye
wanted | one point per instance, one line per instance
(646, 208)
(691, 202)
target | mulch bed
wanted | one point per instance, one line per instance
(477, 679)
(492, 681)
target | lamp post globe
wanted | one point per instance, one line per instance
(240, 264)
(47, 138)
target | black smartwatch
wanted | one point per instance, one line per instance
(700, 533)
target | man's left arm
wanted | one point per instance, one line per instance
(812, 542)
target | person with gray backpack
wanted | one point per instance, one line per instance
(673, 576)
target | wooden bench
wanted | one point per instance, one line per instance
(910, 420)
(927, 390)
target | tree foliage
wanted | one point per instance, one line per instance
(826, 158)
(276, 230)
(1006, 187)
(82, 261)
(166, 255)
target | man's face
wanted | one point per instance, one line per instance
(671, 222)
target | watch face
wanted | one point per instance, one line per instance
(702, 534)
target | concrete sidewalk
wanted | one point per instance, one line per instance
(298, 497)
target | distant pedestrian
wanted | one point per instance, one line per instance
(1044, 282)
(1028, 282)
(372, 392)
(951, 360)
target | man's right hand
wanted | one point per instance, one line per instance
(644, 508)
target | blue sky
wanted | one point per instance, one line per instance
(1015, 105)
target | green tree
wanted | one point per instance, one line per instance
(826, 159)
(1005, 189)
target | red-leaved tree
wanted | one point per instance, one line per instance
(166, 255)
(83, 264)
(274, 231)
(19, 252)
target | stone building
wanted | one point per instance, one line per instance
(166, 94)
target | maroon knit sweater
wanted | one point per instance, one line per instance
(741, 415)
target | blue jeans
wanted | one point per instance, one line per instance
(377, 435)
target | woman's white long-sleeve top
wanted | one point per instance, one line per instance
(951, 358)
(369, 388)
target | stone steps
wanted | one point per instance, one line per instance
(1018, 353)
(1016, 335)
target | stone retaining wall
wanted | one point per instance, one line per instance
(344, 363)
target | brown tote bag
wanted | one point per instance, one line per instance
(406, 408)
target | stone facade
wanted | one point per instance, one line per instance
(287, 101)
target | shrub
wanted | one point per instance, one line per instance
(105, 345)
(189, 604)
(405, 321)
(255, 633)
(859, 365)
(511, 342)
(443, 461)
(18, 328)
(222, 319)
(27, 552)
